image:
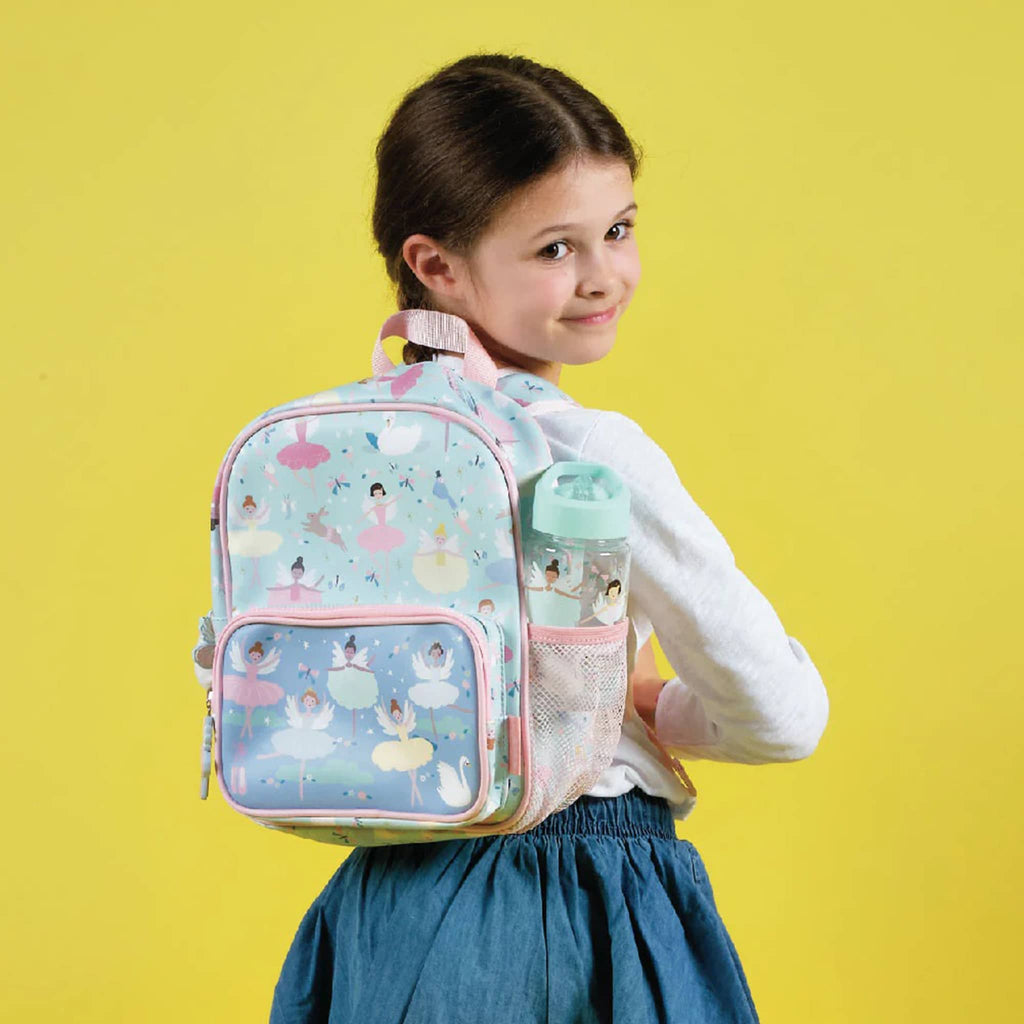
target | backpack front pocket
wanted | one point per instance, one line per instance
(326, 716)
(577, 700)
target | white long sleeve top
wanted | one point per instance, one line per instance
(743, 690)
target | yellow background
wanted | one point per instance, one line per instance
(826, 341)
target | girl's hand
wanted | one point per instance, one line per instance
(646, 682)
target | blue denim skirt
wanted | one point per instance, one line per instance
(599, 914)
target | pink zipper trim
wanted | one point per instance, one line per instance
(354, 615)
(221, 496)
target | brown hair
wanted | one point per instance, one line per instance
(461, 143)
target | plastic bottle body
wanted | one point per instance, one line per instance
(574, 581)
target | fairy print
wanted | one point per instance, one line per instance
(304, 739)
(404, 754)
(549, 603)
(609, 607)
(434, 690)
(437, 564)
(301, 453)
(353, 684)
(294, 586)
(246, 688)
(380, 538)
(249, 541)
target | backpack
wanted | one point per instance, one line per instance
(371, 675)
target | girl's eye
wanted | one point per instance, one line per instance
(546, 254)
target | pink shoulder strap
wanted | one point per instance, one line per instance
(443, 331)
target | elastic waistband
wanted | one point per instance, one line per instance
(634, 814)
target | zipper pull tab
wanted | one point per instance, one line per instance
(205, 756)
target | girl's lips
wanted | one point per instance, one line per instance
(597, 318)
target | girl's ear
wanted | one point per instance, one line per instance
(437, 269)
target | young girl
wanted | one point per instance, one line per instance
(504, 196)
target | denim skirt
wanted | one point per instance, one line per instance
(599, 914)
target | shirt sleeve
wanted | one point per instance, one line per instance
(744, 690)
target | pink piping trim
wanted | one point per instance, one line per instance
(353, 615)
(513, 488)
(577, 635)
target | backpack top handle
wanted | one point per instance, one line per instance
(443, 331)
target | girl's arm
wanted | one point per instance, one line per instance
(751, 693)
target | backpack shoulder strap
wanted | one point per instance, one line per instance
(535, 393)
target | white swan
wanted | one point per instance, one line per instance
(393, 440)
(454, 789)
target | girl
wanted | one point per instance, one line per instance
(504, 196)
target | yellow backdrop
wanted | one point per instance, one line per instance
(827, 342)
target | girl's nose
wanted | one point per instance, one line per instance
(596, 275)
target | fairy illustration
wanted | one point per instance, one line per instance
(437, 564)
(246, 689)
(609, 607)
(354, 685)
(380, 538)
(301, 453)
(547, 606)
(294, 586)
(249, 541)
(305, 739)
(434, 691)
(404, 754)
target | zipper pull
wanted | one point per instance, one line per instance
(205, 756)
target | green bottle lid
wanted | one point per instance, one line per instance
(581, 499)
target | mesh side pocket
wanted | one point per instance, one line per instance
(577, 699)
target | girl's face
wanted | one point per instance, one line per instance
(562, 249)
(255, 656)
(309, 701)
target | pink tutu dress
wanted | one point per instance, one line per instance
(380, 537)
(302, 454)
(249, 690)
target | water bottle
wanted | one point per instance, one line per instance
(575, 550)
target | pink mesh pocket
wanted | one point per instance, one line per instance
(577, 698)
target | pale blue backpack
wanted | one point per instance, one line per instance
(371, 676)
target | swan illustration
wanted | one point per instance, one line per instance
(454, 789)
(394, 440)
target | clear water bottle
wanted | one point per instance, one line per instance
(575, 549)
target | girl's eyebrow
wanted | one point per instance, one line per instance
(566, 227)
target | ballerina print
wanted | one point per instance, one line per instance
(434, 691)
(354, 686)
(404, 754)
(609, 607)
(548, 605)
(437, 564)
(250, 541)
(294, 586)
(380, 538)
(301, 453)
(304, 739)
(247, 689)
